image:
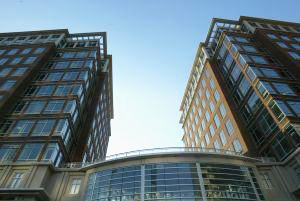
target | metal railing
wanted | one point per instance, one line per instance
(145, 152)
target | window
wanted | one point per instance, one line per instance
(51, 152)
(212, 130)
(16, 180)
(217, 145)
(217, 121)
(62, 90)
(75, 186)
(203, 103)
(283, 107)
(266, 181)
(203, 82)
(237, 145)
(45, 90)
(12, 52)
(8, 152)
(30, 60)
(295, 106)
(35, 107)
(244, 86)
(212, 84)
(16, 60)
(283, 88)
(3, 61)
(249, 48)
(7, 85)
(236, 72)
(217, 96)
(207, 139)
(70, 76)
(54, 76)
(30, 151)
(259, 59)
(2, 52)
(211, 106)
(76, 64)
(83, 75)
(22, 127)
(229, 127)
(223, 138)
(294, 55)
(285, 38)
(207, 94)
(39, 50)
(43, 127)
(61, 65)
(54, 106)
(222, 110)
(19, 71)
(82, 54)
(26, 51)
(296, 46)
(282, 44)
(207, 116)
(241, 40)
(68, 55)
(4, 72)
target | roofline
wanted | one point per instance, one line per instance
(66, 31)
(267, 20)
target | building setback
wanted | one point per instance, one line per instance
(243, 92)
(55, 96)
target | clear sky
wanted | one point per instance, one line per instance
(153, 44)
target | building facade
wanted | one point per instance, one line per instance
(55, 96)
(243, 91)
(173, 174)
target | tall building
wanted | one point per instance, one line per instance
(243, 92)
(55, 96)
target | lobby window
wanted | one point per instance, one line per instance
(212, 130)
(35, 107)
(7, 85)
(3, 61)
(8, 152)
(39, 50)
(26, 51)
(75, 186)
(30, 151)
(54, 106)
(19, 71)
(30, 60)
(207, 139)
(229, 127)
(16, 180)
(22, 127)
(43, 127)
(16, 60)
(223, 138)
(266, 181)
(294, 55)
(222, 110)
(5, 71)
(12, 52)
(237, 145)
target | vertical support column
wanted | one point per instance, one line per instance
(142, 182)
(203, 192)
(252, 183)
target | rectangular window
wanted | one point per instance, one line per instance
(296, 46)
(75, 186)
(294, 55)
(237, 145)
(16, 60)
(207, 94)
(212, 106)
(295, 106)
(26, 51)
(54, 76)
(45, 90)
(12, 52)
(2, 52)
(207, 139)
(207, 116)
(249, 48)
(217, 96)
(7, 85)
(68, 55)
(223, 138)
(76, 64)
(51, 152)
(82, 54)
(22, 127)
(30, 151)
(282, 44)
(229, 127)
(54, 106)
(19, 71)
(35, 107)
(283, 88)
(39, 50)
(212, 130)
(16, 180)
(259, 59)
(8, 152)
(5, 71)
(222, 110)
(217, 145)
(217, 121)
(30, 60)
(70, 76)
(63, 90)
(3, 61)
(43, 127)
(61, 65)
(266, 180)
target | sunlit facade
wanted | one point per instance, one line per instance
(55, 96)
(243, 92)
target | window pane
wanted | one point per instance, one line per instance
(30, 151)
(43, 127)
(35, 107)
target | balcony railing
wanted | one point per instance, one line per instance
(145, 152)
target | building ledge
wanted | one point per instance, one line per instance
(37, 193)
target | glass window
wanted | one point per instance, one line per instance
(217, 121)
(228, 61)
(16, 180)
(211, 106)
(3, 61)
(76, 64)
(237, 145)
(22, 127)
(30, 151)
(259, 59)
(236, 72)
(45, 90)
(39, 50)
(212, 84)
(222, 110)
(250, 73)
(30, 60)
(12, 52)
(54, 106)
(244, 86)
(241, 40)
(43, 127)
(207, 116)
(203, 82)
(285, 38)
(223, 138)
(63, 90)
(2, 52)
(283, 107)
(75, 186)
(26, 51)
(217, 96)
(266, 180)
(35, 107)
(70, 107)
(51, 152)
(295, 106)
(282, 44)
(229, 127)
(270, 73)
(207, 139)
(15, 60)
(296, 46)
(62, 127)
(68, 55)
(82, 54)
(5, 71)
(217, 145)
(203, 124)
(77, 90)
(249, 48)
(294, 55)
(70, 75)
(283, 88)
(212, 130)
(61, 65)
(54, 76)
(19, 71)
(207, 94)
(297, 39)
(7, 85)
(8, 152)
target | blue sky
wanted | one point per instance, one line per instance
(153, 43)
